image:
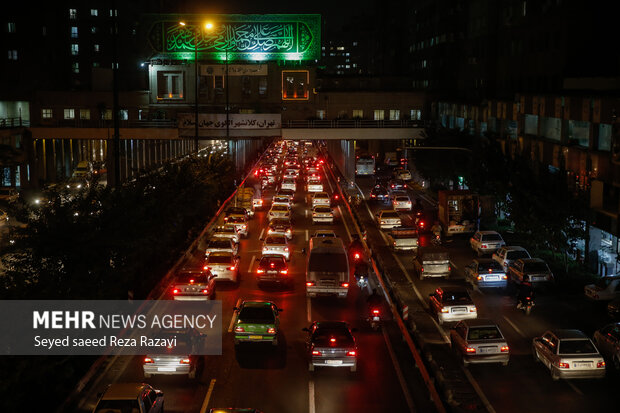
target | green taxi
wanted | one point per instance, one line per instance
(257, 321)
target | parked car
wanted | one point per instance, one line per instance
(331, 344)
(486, 272)
(167, 363)
(388, 218)
(535, 268)
(479, 341)
(257, 321)
(322, 214)
(486, 242)
(130, 397)
(569, 354)
(452, 304)
(272, 268)
(607, 340)
(604, 289)
(223, 265)
(193, 285)
(431, 262)
(508, 254)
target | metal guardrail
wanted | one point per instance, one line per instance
(13, 123)
(104, 123)
(353, 123)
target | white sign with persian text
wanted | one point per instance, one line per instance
(233, 70)
(236, 121)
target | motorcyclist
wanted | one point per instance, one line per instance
(356, 247)
(436, 230)
(373, 300)
(361, 270)
(525, 290)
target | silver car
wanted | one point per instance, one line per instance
(240, 223)
(569, 354)
(221, 245)
(322, 214)
(279, 211)
(228, 232)
(315, 185)
(281, 200)
(607, 339)
(388, 219)
(182, 362)
(281, 227)
(276, 244)
(320, 198)
(479, 341)
(223, 265)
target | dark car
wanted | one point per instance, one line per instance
(379, 193)
(331, 344)
(397, 185)
(273, 268)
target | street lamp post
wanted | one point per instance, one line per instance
(227, 109)
(196, 90)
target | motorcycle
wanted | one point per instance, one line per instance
(362, 282)
(375, 318)
(437, 239)
(526, 305)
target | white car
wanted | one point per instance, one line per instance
(484, 242)
(402, 203)
(315, 185)
(281, 227)
(388, 218)
(240, 223)
(221, 245)
(508, 254)
(288, 183)
(320, 198)
(321, 213)
(276, 244)
(605, 289)
(229, 232)
(281, 200)
(223, 265)
(279, 211)
(403, 174)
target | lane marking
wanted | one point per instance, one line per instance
(346, 226)
(307, 235)
(445, 336)
(474, 383)
(311, 402)
(399, 372)
(309, 309)
(232, 320)
(415, 288)
(515, 327)
(575, 388)
(262, 231)
(306, 213)
(251, 264)
(205, 402)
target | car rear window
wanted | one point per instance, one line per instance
(281, 199)
(322, 337)
(576, 347)
(219, 244)
(402, 199)
(493, 265)
(536, 266)
(279, 208)
(257, 315)
(515, 255)
(188, 278)
(390, 215)
(456, 296)
(484, 333)
(491, 237)
(323, 209)
(269, 261)
(236, 219)
(275, 240)
(219, 259)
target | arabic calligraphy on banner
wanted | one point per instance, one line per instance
(233, 70)
(235, 121)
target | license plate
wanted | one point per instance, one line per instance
(459, 310)
(491, 278)
(256, 337)
(376, 319)
(582, 364)
(333, 362)
(166, 369)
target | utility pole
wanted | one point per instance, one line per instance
(227, 109)
(196, 91)
(115, 108)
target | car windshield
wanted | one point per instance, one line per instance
(461, 296)
(492, 265)
(576, 347)
(536, 266)
(219, 259)
(402, 199)
(118, 406)
(515, 255)
(279, 223)
(190, 278)
(281, 199)
(219, 244)
(322, 337)
(484, 333)
(390, 215)
(263, 315)
(491, 237)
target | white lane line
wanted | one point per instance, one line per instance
(311, 406)
(306, 213)
(415, 289)
(346, 226)
(474, 383)
(307, 235)
(441, 331)
(384, 237)
(309, 309)
(399, 372)
(515, 327)
(232, 320)
(251, 264)
(205, 402)
(328, 182)
(575, 388)
(262, 231)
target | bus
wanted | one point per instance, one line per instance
(327, 270)
(365, 165)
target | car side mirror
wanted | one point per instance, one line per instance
(305, 329)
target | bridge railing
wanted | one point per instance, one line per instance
(13, 123)
(352, 123)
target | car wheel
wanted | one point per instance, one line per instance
(310, 367)
(505, 363)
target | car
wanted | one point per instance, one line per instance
(388, 218)
(607, 340)
(604, 289)
(432, 261)
(279, 211)
(397, 185)
(324, 233)
(479, 341)
(173, 363)
(452, 304)
(236, 211)
(613, 308)
(257, 321)
(130, 397)
(402, 203)
(223, 265)
(221, 245)
(290, 174)
(287, 192)
(322, 214)
(272, 268)
(379, 193)
(280, 226)
(486, 272)
(239, 222)
(483, 242)
(288, 183)
(4, 218)
(276, 244)
(8, 195)
(568, 354)
(402, 174)
(320, 198)
(535, 268)
(314, 185)
(229, 232)
(508, 254)
(281, 200)
(193, 285)
(331, 344)
(312, 171)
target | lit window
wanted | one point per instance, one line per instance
(73, 14)
(113, 12)
(262, 86)
(10, 27)
(358, 113)
(340, 48)
(12, 54)
(75, 49)
(354, 43)
(170, 85)
(96, 48)
(93, 12)
(44, 31)
(107, 114)
(394, 114)
(347, 54)
(379, 114)
(123, 114)
(93, 30)
(69, 114)
(46, 113)
(75, 67)
(347, 67)
(354, 64)
(415, 114)
(320, 114)
(74, 32)
(295, 84)
(85, 114)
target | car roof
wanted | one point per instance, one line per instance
(123, 391)
(567, 334)
(452, 289)
(332, 324)
(256, 303)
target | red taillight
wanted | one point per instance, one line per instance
(206, 267)
(271, 330)
(336, 196)
(310, 284)
(375, 312)
(351, 353)
(470, 350)
(284, 272)
(148, 360)
(392, 186)
(449, 269)
(175, 291)
(356, 256)
(232, 268)
(332, 340)
(239, 329)
(372, 195)
(421, 269)
(505, 349)
(316, 353)
(483, 246)
(345, 285)
(205, 291)
(286, 249)
(600, 365)
(259, 271)
(184, 361)
(563, 365)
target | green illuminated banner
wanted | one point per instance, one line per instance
(253, 37)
